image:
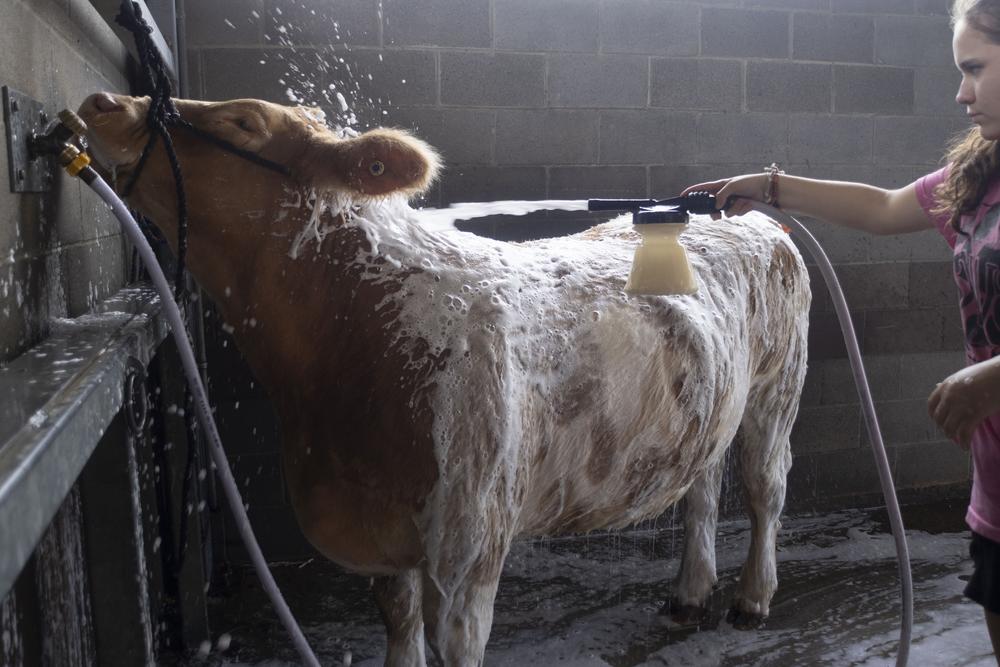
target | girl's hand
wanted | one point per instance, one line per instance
(964, 399)
(741, 189)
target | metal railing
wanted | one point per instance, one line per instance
(56, 400)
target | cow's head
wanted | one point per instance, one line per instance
(376, 163)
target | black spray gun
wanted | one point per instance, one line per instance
(660, 265)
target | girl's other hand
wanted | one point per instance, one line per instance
(738, 192)
(964, 399)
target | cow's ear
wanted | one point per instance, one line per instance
(380, 162)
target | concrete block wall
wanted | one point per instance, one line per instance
(60, 251)
(571, 99)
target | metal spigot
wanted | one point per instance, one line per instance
(58, 136)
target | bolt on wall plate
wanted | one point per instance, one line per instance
(23, 119)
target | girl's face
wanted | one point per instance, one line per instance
(978, 59)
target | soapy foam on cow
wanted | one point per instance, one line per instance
(505, 314)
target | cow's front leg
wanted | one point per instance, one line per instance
(399, 602)
(697, 574)
(458, 615)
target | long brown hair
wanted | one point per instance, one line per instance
(974, 161)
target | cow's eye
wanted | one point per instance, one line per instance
(377, 168)
(244, 125)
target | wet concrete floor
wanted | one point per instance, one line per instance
(593, 601)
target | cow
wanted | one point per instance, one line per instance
(441, 394)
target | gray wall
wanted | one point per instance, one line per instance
(60, 252)
(531, 99)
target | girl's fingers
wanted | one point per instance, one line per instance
(711, 186)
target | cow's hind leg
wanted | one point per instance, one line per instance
(399, 602)
(697, 574)
(765, 458)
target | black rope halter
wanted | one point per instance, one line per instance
(163, 114)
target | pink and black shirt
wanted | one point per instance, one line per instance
(976, 251)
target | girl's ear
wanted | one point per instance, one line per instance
(379, 162)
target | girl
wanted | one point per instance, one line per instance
(961, 201)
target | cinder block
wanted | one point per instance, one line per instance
(583, 80)
(28, 60)
(90, 273)
(838, 385)
(930, 464)
(821, 301)
(225, 23)
(895, 176)
(484, 183)
(496, 80)
(932, 7)
(390, 78)
(826, 428)
(903, 331)
(935, 90)
(920, 373)
(194, 75)
(320, 22)
(742, 138)
(460, 23)
(818, 5)
(671, 179)
(554, 25)
(775, 86)
(914, 140)
(695, 83)
(463, 136)
(921, 246)
(812, 390)
(650, 26)
(831, 138)
(747, 33)
(913, 41)
(546, 137)
(841, 245)
(597, 182)
(953, 337)
(264, 74)
(825, 338)
(903, 422)
(647, 137)
(834, 38)
(826, 476)
(872, 6)
(932, 284)
(881, 90)
(875, 286)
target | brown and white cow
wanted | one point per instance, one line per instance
(441, 394)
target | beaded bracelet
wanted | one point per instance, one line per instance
(771, 193)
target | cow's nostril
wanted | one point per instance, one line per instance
(104, 103)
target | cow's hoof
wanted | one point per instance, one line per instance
(745, 620)
(684, 614)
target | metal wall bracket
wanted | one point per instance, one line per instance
(23, 119)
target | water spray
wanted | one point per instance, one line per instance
(59, 141)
